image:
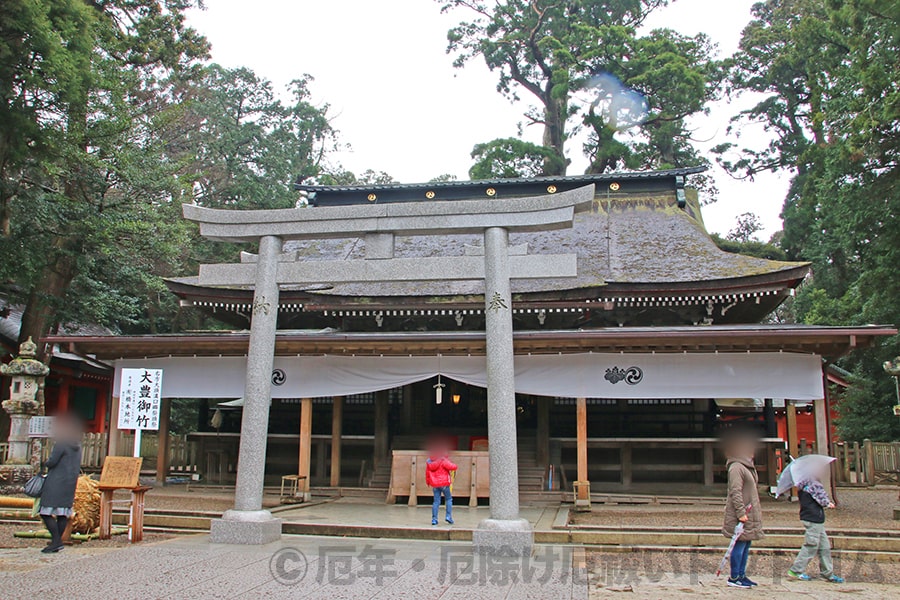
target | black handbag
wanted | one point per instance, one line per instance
(34, 486)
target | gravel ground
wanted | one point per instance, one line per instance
(7, 540)
(857, 509)
(677, 574)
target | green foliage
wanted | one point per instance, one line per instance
(109, 121)
(755, 248)
(828, 73)
(444, 177)
(866, 411)
(341, 176)
(245, 146)
(510, 158)
(746, 228)
(554, 51)
(183, 416)
(88, 90)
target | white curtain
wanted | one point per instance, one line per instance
(710, 375)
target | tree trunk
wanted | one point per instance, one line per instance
(40, 311)
(555, 134)
(603, 160)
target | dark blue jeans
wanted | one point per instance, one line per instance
(739, 556)
(437, 502)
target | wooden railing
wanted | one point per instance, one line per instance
(869, 463)
(93, 450)
(803, 448)
(182, 452)
(182, 455)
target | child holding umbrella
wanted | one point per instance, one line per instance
(806, 473)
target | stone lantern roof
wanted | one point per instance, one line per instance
(26, 362)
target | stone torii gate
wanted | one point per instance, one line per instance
(494, 219)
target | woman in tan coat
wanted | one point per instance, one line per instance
(742, 505)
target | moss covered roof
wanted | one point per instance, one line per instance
(625, 239)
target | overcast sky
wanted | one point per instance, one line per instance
(397, 100)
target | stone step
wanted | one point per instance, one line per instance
(869, 548)
(692, 538)
(352, 492)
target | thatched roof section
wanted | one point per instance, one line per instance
(627, 239)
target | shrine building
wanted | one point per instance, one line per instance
(624, 373)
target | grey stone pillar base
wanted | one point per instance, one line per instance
(13, 478)
(503, 537)
(245, 527)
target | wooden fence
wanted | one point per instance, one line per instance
(93, 450)
(803, 448)
(182, 453)
(867, 464)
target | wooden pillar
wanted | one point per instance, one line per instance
(337, 424)
(408, 409)
(582, 487)
(102, 408)
(707, 464)
(771, 466)
(321, 448)
(769, 416)
(305, 446)
(162, 436)
(626, 464)
(869, 463)
(581, 421)
(820, 408)
(793, 443)
(381, 427)
(62, 400)
(543, 430)
(114, 439)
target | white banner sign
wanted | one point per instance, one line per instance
(140, 392)
(626, 376)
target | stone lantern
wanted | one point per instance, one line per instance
(26, 374)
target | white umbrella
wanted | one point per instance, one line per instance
(802, 470)
(738, 530)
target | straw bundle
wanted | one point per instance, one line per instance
(87, 506)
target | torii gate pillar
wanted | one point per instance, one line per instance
(247, 522)
(504, 532)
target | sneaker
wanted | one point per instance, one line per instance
(833, 578)
(800, 576)
(449, 520)
(739, 583)
(750, 581)
(52, 549)
(434, 521)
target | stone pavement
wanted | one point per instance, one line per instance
(296, 567)
(669, 586)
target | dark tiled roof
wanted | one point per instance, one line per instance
(639, 175)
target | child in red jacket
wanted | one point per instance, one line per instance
(437, 475)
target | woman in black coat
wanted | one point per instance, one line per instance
(58, 493)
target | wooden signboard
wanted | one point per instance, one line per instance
(120, 472)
